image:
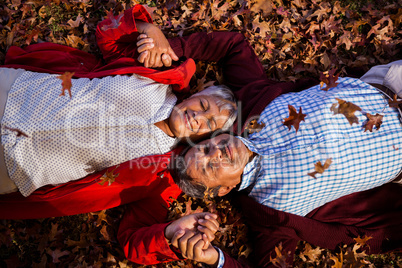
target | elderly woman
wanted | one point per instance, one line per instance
(110, 118)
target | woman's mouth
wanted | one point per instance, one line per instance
(187, 121)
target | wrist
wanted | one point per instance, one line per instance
(142, 26)
(214, 260)
(168, 232)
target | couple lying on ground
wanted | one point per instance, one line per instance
(284, 203)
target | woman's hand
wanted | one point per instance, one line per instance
(154, 48)
(195, 246)
(204, 222)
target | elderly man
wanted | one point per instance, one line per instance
(332, 150)
(298, 170)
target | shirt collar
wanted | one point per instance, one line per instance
(252, 168)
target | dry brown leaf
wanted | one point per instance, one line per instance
(74, 41)
(83, 243)
(280, 259)
(66, 83)
(56, 254)
(265, 6)
(338, 260)
(346, 108)
(346, 39)
(373, 120)
(254, 126)
(320, 168)
(76, 23)
(109, 176)
(362, 240)
(329, 79)
(294, 118)
(54, 232)
(309, 254)
(394, 102)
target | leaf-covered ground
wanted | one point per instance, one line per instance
(292, 38)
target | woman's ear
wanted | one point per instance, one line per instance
(225, 190)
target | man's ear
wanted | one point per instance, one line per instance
(225, 190)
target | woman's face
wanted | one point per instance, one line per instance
(197, 116)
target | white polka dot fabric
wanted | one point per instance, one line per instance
(107, 121)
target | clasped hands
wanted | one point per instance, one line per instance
(192, 235)
(154, 48)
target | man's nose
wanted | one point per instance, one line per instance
(215, 152)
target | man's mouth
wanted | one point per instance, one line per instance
(187, 119)
(229, 152)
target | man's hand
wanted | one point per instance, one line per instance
(154, 48)
(195, 246)
(205, 223)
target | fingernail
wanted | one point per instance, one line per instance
(201, 220)
(207, 217)
(181, 232)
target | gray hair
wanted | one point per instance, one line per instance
(186, 183)
(228, 103)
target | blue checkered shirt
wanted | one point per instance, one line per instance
(278, 176)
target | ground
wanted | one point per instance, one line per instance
(293, 39)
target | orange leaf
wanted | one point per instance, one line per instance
(374, 120)
(75, 23)
(310, 253)
(109, 177)
(320, 168)
(346, 108)
(254, 126)
(294, 118)
(66, 83)
(394, 102)
(280, 259)
(338, 262)
(362, 241)
(329, 79)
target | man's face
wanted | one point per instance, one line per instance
(197, 116)
(218, 162)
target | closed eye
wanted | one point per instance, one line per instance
(204, 105)
(209, 124)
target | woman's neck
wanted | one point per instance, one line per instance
(164, 126)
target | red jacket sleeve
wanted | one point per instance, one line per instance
(141, 233)
(117, 37)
